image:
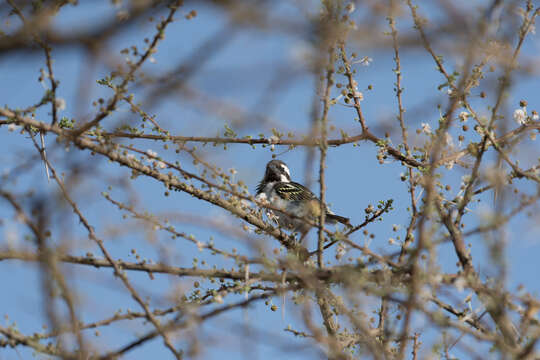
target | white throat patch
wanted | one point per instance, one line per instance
(285, 170)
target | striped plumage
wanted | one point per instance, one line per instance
(277, 188)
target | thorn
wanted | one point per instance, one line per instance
(44, 156)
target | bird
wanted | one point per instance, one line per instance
(293, 198)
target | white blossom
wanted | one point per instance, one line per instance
(340, 252)
(60, 104)
(365, 61)
(448, 140)
(460, 284)
(463, 116)
(465, 179)
(426, 128)
(12, 127)
(535, 116)
(151, 153)
(520, 116)
(200, 246)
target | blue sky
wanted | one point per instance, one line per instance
(239, 73)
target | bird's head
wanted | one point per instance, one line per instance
(277, 170)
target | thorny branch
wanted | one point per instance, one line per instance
(370, 297)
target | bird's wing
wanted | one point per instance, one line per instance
(293, 191)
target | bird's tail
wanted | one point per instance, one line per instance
(341, 219)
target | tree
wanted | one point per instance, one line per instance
(139, 217)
